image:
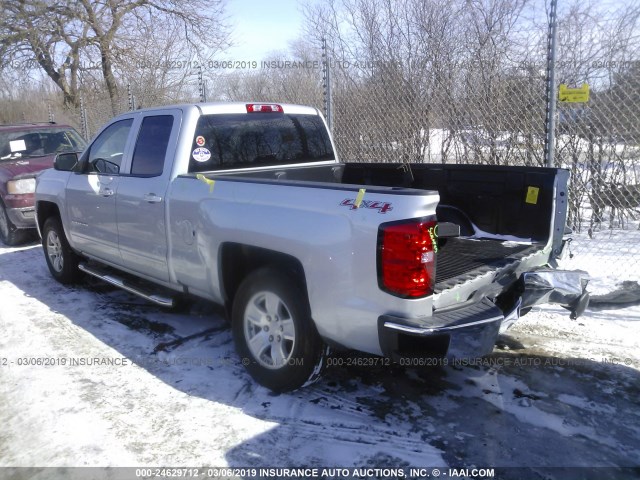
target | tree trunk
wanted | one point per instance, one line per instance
(109, 78)
(70, 95)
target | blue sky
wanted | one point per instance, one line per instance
(261, 26)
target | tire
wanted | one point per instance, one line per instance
(61, 259)
(10, 235)
(287, 352)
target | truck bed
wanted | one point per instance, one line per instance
(461, 259)
(489, 198)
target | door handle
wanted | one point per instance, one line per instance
(105, 192)
(152, 198)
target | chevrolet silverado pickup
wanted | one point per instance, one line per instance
(248, 206)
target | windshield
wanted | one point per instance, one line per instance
(39, 142)
(258, 139)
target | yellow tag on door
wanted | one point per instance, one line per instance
(532, 195)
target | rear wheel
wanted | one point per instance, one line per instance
(9, 234)
(274, 333)
(61, 259)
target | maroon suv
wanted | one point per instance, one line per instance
(24, 151)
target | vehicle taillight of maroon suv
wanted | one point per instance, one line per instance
(26, 150)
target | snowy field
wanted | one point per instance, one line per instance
(555, 392)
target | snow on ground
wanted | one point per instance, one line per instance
(609, 255)
(193, 406)
(555, 392)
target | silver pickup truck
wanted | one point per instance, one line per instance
(248, 206)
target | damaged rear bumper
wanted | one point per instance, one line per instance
(561, 287)
(471, 331)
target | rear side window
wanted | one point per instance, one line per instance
(258, 139)
(151, 147)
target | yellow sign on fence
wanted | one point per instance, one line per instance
(573, 95)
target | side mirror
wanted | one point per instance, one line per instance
(101, 165)
(65, 161)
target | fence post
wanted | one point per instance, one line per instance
(201, 85)
(326, 85)
(550, 122)
(83, 120)
(132, 100)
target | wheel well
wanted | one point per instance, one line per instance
(45, 210)
(237, 261)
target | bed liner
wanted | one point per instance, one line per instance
(462, 259)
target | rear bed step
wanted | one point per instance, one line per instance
(108, 277)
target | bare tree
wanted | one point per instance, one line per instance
(291, 76)
(32, 33)
(421, 73)
(60, 36)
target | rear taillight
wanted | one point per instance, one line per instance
(264, 107)
(406, 258)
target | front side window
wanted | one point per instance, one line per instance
(105, 154)
(225, 141)
(151, 147)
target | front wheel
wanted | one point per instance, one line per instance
(61, 259)
(274, 333)
(9, 234)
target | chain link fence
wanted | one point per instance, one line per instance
(493, 113)
(599, 142)
(389, 118)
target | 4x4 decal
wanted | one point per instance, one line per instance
(382, 207)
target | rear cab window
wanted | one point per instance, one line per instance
(245, 140)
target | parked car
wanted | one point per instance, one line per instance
(247, 205)
(25, 150)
